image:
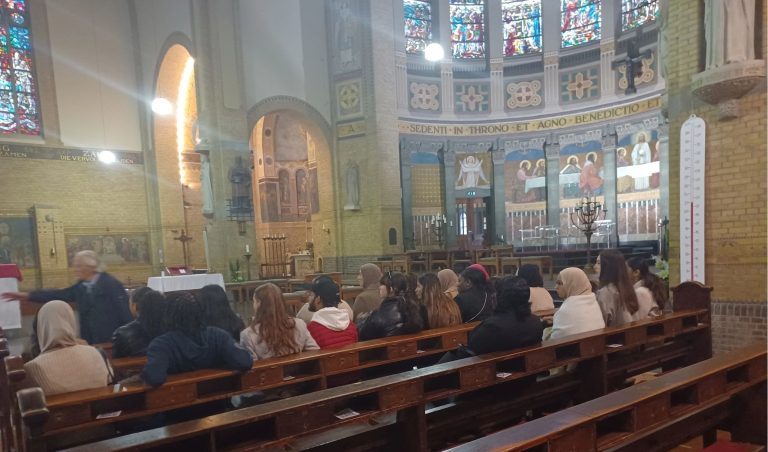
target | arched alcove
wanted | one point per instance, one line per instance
(178, 166)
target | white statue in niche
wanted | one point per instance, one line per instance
(205, 184)
(352, 186)
(471, 174)
(729, 31)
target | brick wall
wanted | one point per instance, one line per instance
(735, 183)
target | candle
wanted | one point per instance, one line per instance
(247, 248)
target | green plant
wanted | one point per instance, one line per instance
(234, 271)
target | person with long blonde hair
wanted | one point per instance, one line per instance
(272, 331)
(441, 310)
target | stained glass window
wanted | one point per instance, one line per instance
(580, 22)
(418, 25)
(19, 112)
(633, 16)
(522, 26)
(467, 28)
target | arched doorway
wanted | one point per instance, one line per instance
(293, 189)
(178, 166)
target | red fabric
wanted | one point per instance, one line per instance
(328, 338)
(10, 271)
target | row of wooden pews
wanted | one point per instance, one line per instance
(726, 392)
(491, 392)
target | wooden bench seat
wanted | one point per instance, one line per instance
(279, 423)
(657, 415)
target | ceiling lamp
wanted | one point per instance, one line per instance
(434, 52)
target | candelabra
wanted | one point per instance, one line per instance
(587, 213)
(437, 225)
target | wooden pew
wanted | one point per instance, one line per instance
(307, 371)
(725, 392)
(396, 404)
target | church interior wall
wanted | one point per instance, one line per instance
(735, 183)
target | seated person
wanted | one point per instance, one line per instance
(449, 282)
(512, 325)
(396, 315)
(272, 331)
(439, 308)
(476, 298)
(190, 345)
(369, 299)
(218, 311)
(147, 306)
(579, 312)
(306, 312)
(65, 364)
(331, 327)
(541, 300)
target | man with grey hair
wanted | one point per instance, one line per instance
(102, 303)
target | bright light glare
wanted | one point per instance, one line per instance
(434, 52)
(181, 114)
(107, 157)
(162, 106)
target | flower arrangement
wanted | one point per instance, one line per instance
(234, 271)
(662, 268)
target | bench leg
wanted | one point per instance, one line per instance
(412, 425)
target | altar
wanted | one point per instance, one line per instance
(184, 282)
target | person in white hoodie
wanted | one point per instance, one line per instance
(331, 327)
(580, 311)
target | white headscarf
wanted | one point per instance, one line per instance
(56, 326)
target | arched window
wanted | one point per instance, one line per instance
(392, 236)
(19, 112)
(633, 15)
(579, 22)
(418, 25)
(522, 26)
(467, 28)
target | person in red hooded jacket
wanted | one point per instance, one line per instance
(331, 327)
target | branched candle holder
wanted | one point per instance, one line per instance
(588, 211)
(437, 226)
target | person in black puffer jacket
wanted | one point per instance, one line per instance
(132, 339)
(396, 315)
(476, 297)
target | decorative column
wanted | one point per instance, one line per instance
(446, 66)
(551, 82)
(550, 41)
(401, 81)
(607, 74)
(609, 178)
(449, 171)
(406, 182)
(446, 79)
(499, 209)
(552, 153)
(663, 143)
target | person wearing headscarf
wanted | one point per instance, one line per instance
(449, 282)
(580, 311)
(369, 299)
(512, 325)
(65, 364)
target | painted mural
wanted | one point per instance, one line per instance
(114, 249)
(17, 241)
(637, 185)
(525, 197)
(581, 175)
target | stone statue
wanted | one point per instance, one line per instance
(206, 185)
(352, 185)
(729, 31)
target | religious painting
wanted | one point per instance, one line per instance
(637, 185)
(467, 28)
(581, 175)
(314, 193)
(579, 22)
(268, 200)
(473, 171)
(114, 249)
(301, 191)
(522, 26)
(17, 241)
(345, 37)
(525, 192)
(636, 13)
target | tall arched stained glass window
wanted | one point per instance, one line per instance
(19, 112)
(633, 16)
(522, 26)
(418, 25)
(580, 22)
(467, 28)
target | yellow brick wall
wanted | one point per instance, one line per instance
(736, 166)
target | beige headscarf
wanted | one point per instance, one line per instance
(371, 275)
(575, 282)
(449, 282)
(56, 326)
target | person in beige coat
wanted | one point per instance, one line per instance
(65, 364)
(369, 299)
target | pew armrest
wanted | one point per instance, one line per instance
(33, 409)
(14, 367)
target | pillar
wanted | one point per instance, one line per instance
(552, 154)
(499, 209)
(405, 181)
(609, 179)
(449, 171)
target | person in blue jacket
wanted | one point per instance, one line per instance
(102, 303)
(190, 345)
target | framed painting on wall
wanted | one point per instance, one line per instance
(17, 241)
(114, 249)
